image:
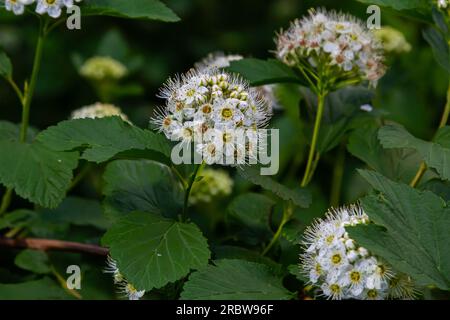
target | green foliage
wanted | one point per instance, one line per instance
(102, 139)
(411, 231)
(6, 68)
(143, 185)
(259, 72)
(42, 289)
(440, 47)
(136, 9)
(400, 4)
(35, 172)
(152, 251)
(34, 261)
(300, 197)
(235, 280)
(434, 154)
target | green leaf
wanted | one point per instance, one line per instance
(396, 164)
(143, 185)
(136, 9)
(34, 261)
(11, 131)
(35, 172)
(295, 270)
(442, 137)
(152, 251)
(252, 210)
(76, 211)
(412, 232)
(17, 219)
(259, 72)
(399, 4)
(235, 280)
(300, 197)
(6, 68)
(435, 155)
(102, 139)
(42, 289)
(440, 47)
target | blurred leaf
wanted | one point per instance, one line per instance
(296, 270)
(35, 172)
(142, 185)
(77, 211)
(435, 155)
(6, 68)
(34, 261)
(252, 210)
(136, 9)
(11, 131)
(300, 197)
(412, 232)
(292, 231)
(259, 72)
(440, 47)
(396, 164)
(42, 289)
(152, 251)
(102, 139)
(235, 280)
(400, 4)
(439, 187)
(17, 219)
(442, 137)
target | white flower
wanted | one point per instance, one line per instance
(124, 286)
(211, 109)
(392, 40)
(443, 4)
(17, 6)
(98, 110)
(343, 269)
(214, 183)
(51, 7)
(219, 60)
(343, 45)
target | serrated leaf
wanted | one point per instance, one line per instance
(152, 251)
(34, 261)
(300, 197)
(396, 164)
(142, 185)
(412, 231)
(435, 155)
(259, 72)
(235, 280)
(136, 9)
(440, 47)
(35, 172)
(42, 289)
(6, 68)
(102, 139)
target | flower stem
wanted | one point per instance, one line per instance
(444, 119)
(309, 171)
(198, 168)
(6, 201)
(29, 90)
(287, 213)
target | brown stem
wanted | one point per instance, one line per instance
(48, 245)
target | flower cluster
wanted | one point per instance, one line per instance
(52, 7)
(393, 40)
(332, 45)
(218, 112)
(124, 286)
(214, 183)
(103, 68)
(219, 60)
(342, 268)
(98, 110)
(443, 4)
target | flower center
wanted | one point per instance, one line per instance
(372, 293)
(355, 276)
(336, 259)
(335, 288)
(167, 121)
(227, 137)
(330, 239)
(206, 109)
(227, 113)
(50, 2)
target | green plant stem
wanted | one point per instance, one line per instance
(29, 90)
(444, 119)
(6, 201)
(312, 152)
(287, 213)
(16, 89)
(338, 174)
(187, 193)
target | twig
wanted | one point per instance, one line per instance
(57, 245)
